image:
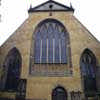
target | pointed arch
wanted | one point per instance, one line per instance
(50, 47)
(88, 71)
(88, 58)
(51, 41)
(59, 93)
(12, 67)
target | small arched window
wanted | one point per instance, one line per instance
(50, 42)
(59, 93)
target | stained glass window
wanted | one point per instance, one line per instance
(88, 70)
(50, 43)
(13, 67)
(88, 64)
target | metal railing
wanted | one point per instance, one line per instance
(76, 95)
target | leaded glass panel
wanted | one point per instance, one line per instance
(57, 54)
(44, 51)
(37, 50)
(13, 67)
(88, 68)
(50, 43)
(63, 51)
(50, 51)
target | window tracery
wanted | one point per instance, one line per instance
(50, 43)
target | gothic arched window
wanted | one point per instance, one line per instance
(88, 70)
(12, 66)
(50, 42)
(59, 93)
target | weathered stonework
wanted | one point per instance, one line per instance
(40, 87)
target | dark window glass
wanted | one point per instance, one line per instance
(59, 94)
(88, 66)
(13, 66)
(57, 53)
(37, 50)
(50, 51)
(63, 51)
(44, 51)
(50, 43)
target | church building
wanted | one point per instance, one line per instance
(51, 56)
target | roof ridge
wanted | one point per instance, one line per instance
(50, 1)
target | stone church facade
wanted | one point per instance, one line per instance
(51, 56)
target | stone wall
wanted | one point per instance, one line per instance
(39, 87)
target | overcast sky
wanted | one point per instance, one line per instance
(14, 13)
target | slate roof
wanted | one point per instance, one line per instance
(50, 5)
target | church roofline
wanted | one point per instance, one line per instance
(51, 1)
